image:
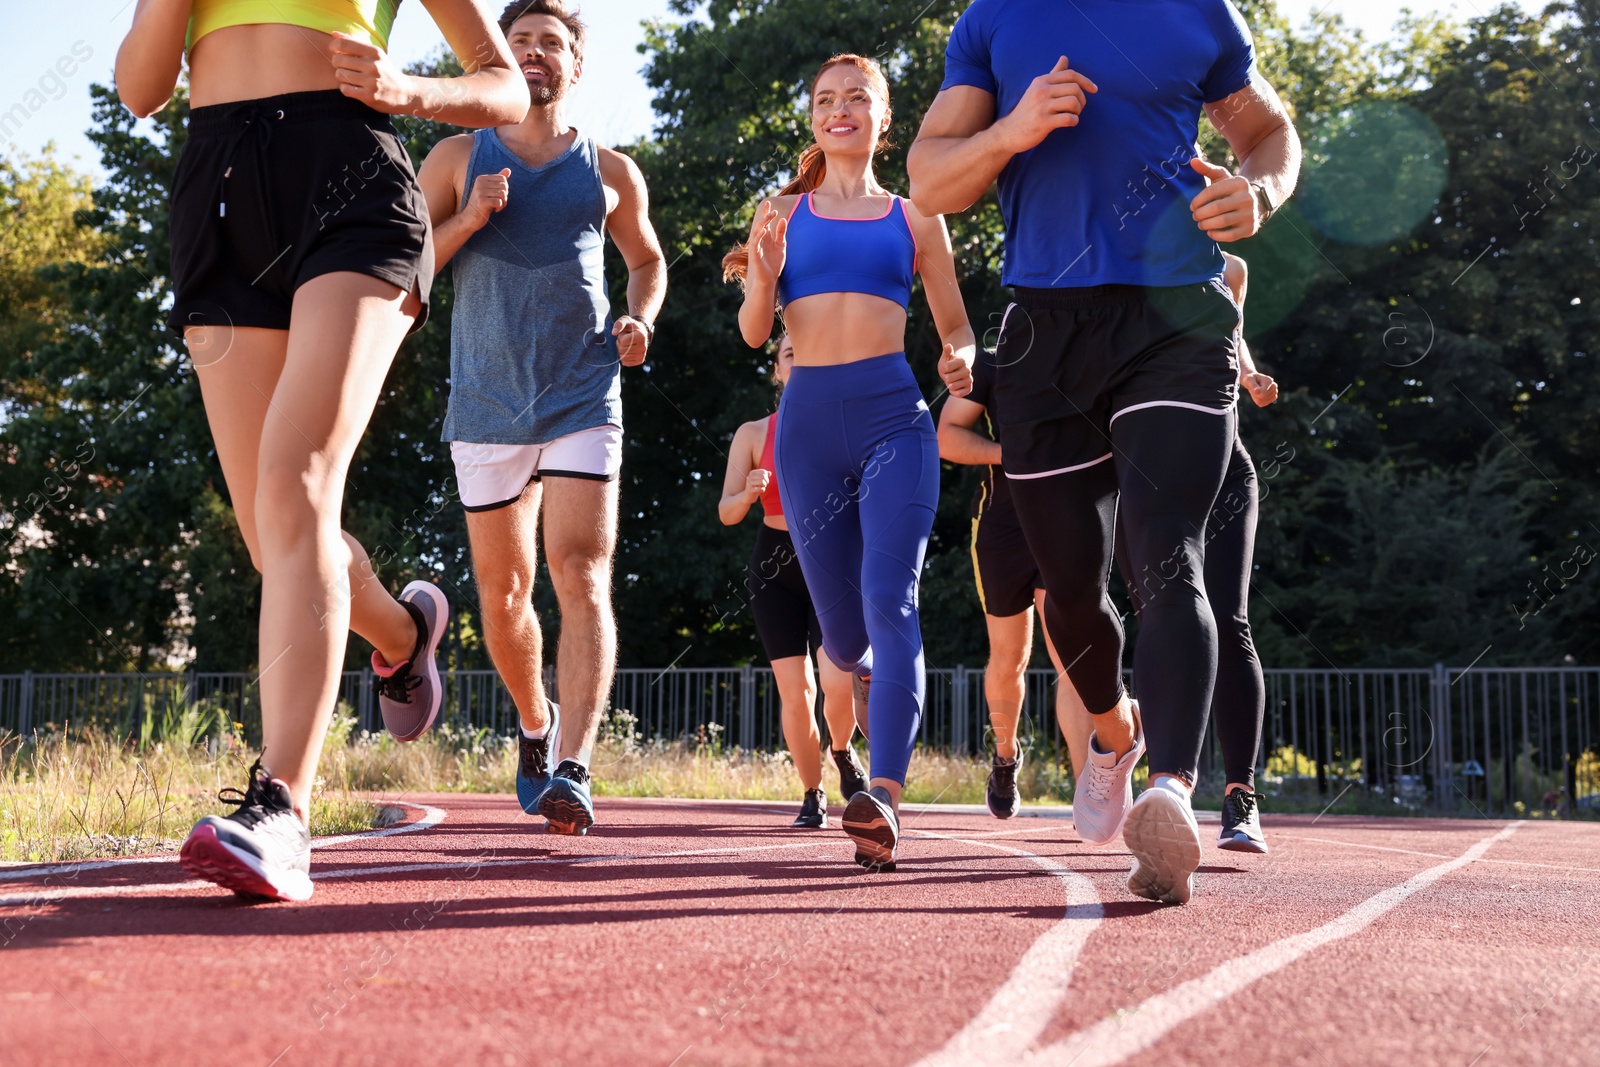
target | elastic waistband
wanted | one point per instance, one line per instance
(874, 376)
(1081, 296)
(318, 106)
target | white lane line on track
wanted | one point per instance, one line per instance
(431, 817)
(1018, 1012)
(1117, 1037)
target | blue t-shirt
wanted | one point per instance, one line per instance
(1106, 201)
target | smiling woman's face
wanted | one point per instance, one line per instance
(847, 115)
(785, 360)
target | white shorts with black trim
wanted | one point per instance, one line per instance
(496, 476)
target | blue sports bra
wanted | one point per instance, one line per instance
(828, 255)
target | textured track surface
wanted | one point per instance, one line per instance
(713, 933)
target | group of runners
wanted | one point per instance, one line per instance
(304, 249)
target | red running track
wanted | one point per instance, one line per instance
(685, 932)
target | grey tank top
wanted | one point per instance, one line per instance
(531, 352)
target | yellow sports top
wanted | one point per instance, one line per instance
(368, 20)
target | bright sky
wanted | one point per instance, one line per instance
(42, 39)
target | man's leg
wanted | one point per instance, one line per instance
(1068, 519)
(1238, 703)
(580, 534)
(1071, 716)
(504, 560)
(1172, 459)
(1010, 642)
(1171, 462)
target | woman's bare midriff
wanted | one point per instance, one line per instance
(833, 328)
(250, 62)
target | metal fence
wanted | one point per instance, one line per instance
(1495, 740)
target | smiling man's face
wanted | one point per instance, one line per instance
(543, 51)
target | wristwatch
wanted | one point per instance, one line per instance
(1263, 200)
(649, 328)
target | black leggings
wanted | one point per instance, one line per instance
(1169, 463)
(1239, 700)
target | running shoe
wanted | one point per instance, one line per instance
(261, 850)
(860, 688)
(1165, 842)
(813, 810)
(409, 692)
(533, 761)
(1241, 823)
(1101, 800)
(1005, 800)
(870, 820)
(852, 776)
(565, 804)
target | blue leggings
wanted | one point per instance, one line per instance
(858, 472)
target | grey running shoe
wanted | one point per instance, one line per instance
(1002, 795)
(410, 693)
(1241, 823)
(1101, 800)
(870, 820)
(1165, 842)
(852, 776)
(813, 810)
(261, 850)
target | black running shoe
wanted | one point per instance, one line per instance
(1241, 823)
(860, 688)
(261, 850)
(852, 776)
(813, 810)
(870, 820)
(1005, 800)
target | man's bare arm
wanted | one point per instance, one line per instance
(961, 148)
(958, 441)
(1257, 127)
(630, 229)
(441, 178)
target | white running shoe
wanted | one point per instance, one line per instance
(1101, 800)
(1165, 842)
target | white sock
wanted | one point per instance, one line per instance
(1172, 785)
(543, 731)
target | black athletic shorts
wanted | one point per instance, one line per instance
(1071, 361)
(785, 618)
(271, 193)
(1002, 565)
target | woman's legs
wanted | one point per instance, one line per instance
(239, 370)
(897, 509)
(837, 703)
(797, 695)
(343, 335)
